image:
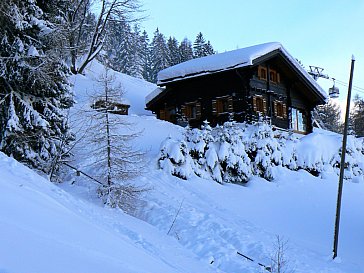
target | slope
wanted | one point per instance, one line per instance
(215, 221)
(45, 229)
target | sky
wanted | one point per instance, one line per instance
(319, 33)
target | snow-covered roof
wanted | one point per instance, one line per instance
(229, 60)
(153, 94)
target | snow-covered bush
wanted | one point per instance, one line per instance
(234, 160)
(175, 159)
(235, 152)
(264, 149)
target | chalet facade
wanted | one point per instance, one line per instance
(243, 85)
(118, 108)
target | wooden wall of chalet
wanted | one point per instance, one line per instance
(207, 92)
(241, 89)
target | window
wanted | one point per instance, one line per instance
(222, 105)
(299, 120)
(280, 109)
(262, 73)
(259, 104)
(274, 76)
(192, 110)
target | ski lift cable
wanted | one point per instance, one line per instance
(356, 88)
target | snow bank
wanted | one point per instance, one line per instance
(44, 229)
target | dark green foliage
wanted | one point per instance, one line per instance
(201, 48)
(328, 116)
(34, 89)
(357, 117)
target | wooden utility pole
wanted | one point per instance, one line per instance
(342, 163)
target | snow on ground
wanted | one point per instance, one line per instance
(45, 229)
(134, 90)
(64, 228)
(217, 220)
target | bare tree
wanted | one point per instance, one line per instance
(279, 261)
(113, 154)
(84, 24)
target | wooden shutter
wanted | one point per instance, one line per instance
(230, 104)
(264, 106)
(162, 114)
(278, 78)
(284, 110)
(214, 107)
(198, 110)
(275, 108)
(184, 110)
(255, 104)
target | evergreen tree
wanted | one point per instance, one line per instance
(209, 50)
(328, 116)
(185, 50)
(173, 51)
(119, 47)
(199, 46)
(357, 117)
(145, 55)
(34, 88)
(159, 55)
(137, 47)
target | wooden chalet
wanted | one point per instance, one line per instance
(245, 84)
(118, 108)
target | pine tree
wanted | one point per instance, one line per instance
(145, 55)
(209, 50)
(357, 117)
(119, 47)
(34, 88)
(199, 46)
(185, 50)
(328, 116)
(159, 54)
(173, 52)
(137, 47)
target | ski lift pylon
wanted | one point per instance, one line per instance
(334, 91)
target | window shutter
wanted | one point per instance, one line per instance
(278, 78)
(275, 109)
(264, 106)
(198, 110)
(214, 107)
(230, 104)
(255, 104)
(284, 111)
(162, 114)
(184, 110)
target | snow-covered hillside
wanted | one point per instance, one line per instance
(194, 225)
(45, 229)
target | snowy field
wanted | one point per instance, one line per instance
(194, 225)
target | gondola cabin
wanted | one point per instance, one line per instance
(262, 81)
